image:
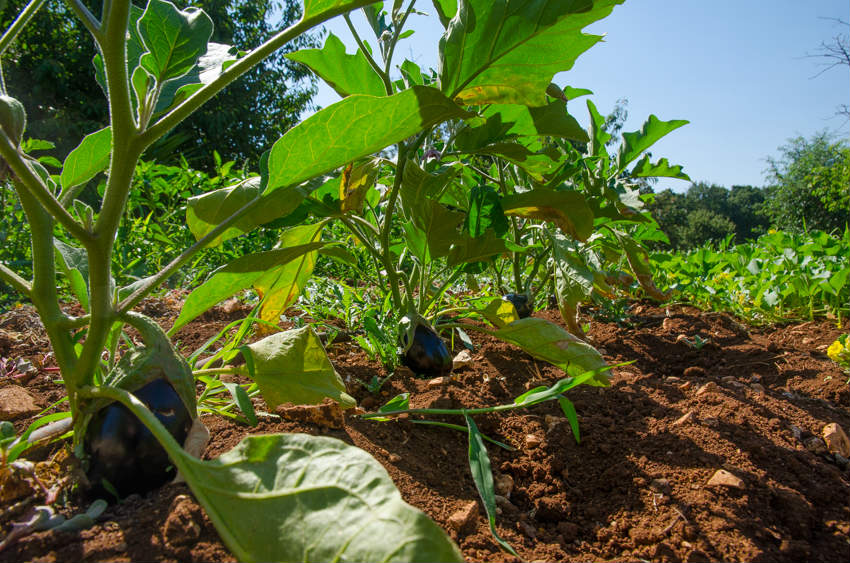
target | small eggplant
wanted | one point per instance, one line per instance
(122, 451)
(428, 354)
(520, 302)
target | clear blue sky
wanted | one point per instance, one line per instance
(736, 69)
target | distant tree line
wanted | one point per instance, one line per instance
(808, 188)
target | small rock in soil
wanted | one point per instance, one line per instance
(438, 382)
(684, 419)
(836, 440)
(465, 518)
(463, 359)
(694, 371)
(710, 387)
(532, 441)
(504, 484)
(758, 388)
(16, 402)
(723, 478)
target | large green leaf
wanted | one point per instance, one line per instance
(507, 51)
(354, 127)
(206, 211)
(469, 250)
(347, 74)
(279, 287)
(565, 208)
(637, 142)
(236, 276)
(292, 367)
(552, 120)
(485, 212)
(296, 497)
(418, 186)
(440, 225)
(549, 342)
(175, 39)
(89, 158)
(537, 164)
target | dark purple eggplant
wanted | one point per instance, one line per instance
(520, 302)
(428, 355)
(122, 451)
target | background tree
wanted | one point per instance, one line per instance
(835, 53)
(54, 79)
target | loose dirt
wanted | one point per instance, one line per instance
(640, 485)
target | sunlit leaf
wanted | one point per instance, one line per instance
(175, 39)
(637, 142)
(240, 274)
(508, 52)
(352, 128)
(346, 74)
(644, 168)
(87, 160)
(565, 208)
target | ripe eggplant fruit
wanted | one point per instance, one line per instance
(428, 354)
(121, 449)
(520, 302)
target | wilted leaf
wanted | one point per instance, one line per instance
(292, 367)
(565, 208)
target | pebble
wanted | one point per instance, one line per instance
(709, 387)
(437, 382)
(836, 440)
(694, 371)
(533, 440)
(394, 458)
(660, 486)
(463, 359)
(465, 518)
(685, 418)
(16, 402)
(504, 484)
(552, 421)
(667, 324)
(685, 386)
(723, 478)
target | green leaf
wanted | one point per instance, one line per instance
(446, 10)
(644, 168)
(549, 342)
(469, 250)
(482, 475)
(508, 52)
(279, 287)
(500, 312)
(418, 186)
(573, 279)
(599, 137)
(236, 276)
(440, 225)
(485, 212)
(292, 367)
(352, 128)
(572, 93)
(320, 10)
(570, 412)
(537, 164)
(73, 262)
(175, 39)
(565, 208)
(551, 120)
(295, 497)
(347, 74)
(206, 211)
(89, 158)
(210, 66)
(242, 400)
(637, 142)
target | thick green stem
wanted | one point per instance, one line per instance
(44, 293)
(85, 16)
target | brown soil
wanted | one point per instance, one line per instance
(635, 488)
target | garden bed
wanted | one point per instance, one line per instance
(748, 401)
